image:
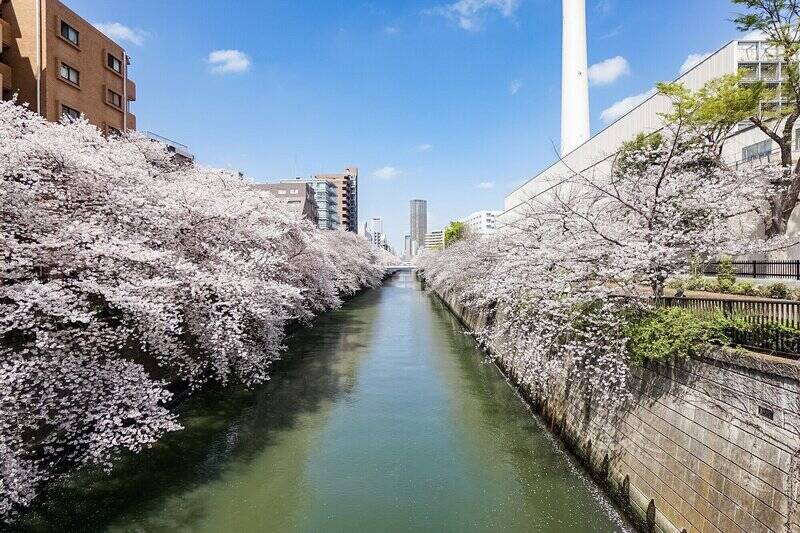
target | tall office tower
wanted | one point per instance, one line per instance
(407, 247)
(574, 77)
(419, 224)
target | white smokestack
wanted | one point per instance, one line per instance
(574, 78)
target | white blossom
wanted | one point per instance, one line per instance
(126, 275)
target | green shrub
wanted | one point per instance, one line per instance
(711, 285)
(673, 333)
(694, 283)
(745, 288)
(676, 283)
(726, 273)
(776, 290)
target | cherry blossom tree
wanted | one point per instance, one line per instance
(562, 280)
(126, 277)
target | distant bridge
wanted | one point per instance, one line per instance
(400, 268)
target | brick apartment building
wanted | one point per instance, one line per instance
(347, 193)
(61, 65)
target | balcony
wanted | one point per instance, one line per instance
(5, 76)
(5, 33)
(131, 121)
(131, 89)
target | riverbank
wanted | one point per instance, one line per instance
(707, 444)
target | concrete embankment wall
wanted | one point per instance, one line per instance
(708, 444)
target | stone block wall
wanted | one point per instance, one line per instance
(709, 444)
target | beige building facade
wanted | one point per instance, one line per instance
(59, 64)
(298, 196)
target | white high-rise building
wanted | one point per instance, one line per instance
(758, 59)
(434, 240)
(481, 222)
(373, 231)
(574, 77)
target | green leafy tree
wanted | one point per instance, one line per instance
(638, 154)
(726, 274)
(713, 112)
(455, 231)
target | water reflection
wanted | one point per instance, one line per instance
(382, 417)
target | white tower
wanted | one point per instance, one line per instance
(574, 78)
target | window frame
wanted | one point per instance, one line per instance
(71, 112)
(69, 70)
(69, 27)
(110, 98)
(110, 59)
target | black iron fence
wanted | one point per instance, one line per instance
(763, 325)
(760, 269)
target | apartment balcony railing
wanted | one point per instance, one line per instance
(131, 89)
(5, 77)
(758, 51)
(5, 33)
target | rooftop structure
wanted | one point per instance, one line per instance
(181, 151)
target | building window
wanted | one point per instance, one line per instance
(114, 64)
(69, 33)
(281, 191)
(72, 114)
(114, 98)
(293, 191)
(111, 131)
(70, 74)
(757, 150)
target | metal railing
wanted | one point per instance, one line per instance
(760, 269)
(771, 326)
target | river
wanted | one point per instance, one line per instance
(382, 417)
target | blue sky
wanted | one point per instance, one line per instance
(453, 101)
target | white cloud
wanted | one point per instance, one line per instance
(228, 61)
(692, 60)
(468, 14)
(755, 35)
(386, 173)
(608, 71)
(391, 30)
(424, 147)
(613, 33)
(486, 185)
(618, 109)
(514, 87)
(121, 32)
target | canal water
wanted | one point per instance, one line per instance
(383, 417)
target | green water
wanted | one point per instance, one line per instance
(382, 417)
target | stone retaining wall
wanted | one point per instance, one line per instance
(709, 444)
